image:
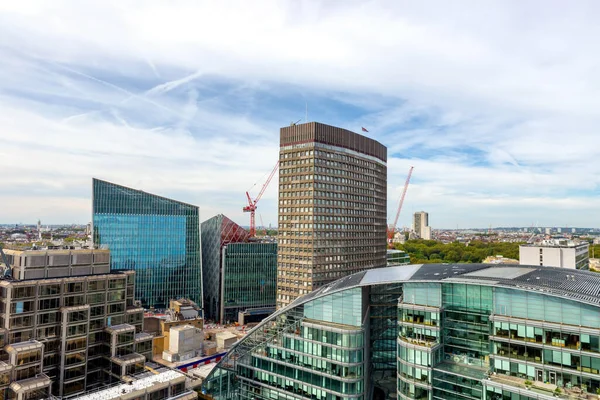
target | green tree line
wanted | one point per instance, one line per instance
(431, 251)
(594, 250)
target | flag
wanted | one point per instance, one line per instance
(364, 129)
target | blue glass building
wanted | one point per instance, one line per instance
(157, 237)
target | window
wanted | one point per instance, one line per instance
(94, 286)
(49, 290)
(48, 304)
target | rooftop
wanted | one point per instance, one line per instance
(559, 243)
(139, 384)
(579, 285)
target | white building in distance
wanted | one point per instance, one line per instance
(556, 253)
(421, 225)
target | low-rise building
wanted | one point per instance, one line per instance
(561, 253)
(161, 385)
(185, 342)
(180, 313)
(397, 257)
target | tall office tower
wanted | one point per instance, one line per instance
(332, 207)
(421, 225)
(67, 324)
(157, 237)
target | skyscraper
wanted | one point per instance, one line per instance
(421, 225)
(157, 237)
(332, 207)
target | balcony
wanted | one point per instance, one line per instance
(419, 342)
(537, 390)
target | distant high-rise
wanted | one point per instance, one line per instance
(157, 237)
(421, 225)
(332, 207)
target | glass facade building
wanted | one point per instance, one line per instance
(157, 237)
(249, 279)
(437, 331)
(217, 232)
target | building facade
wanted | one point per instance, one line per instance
(67, 324)
(217, 232)
(397, 257)
(332, 207)
(157, 237)
(437, 331)
(421, 225)
(248, 280)
(556, 253)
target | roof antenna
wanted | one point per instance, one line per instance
(306, 119)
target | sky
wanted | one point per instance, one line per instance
(494, 103)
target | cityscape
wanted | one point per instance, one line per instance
(227, 203)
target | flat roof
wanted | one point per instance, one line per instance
(139, 384)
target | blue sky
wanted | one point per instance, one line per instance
(495, 104)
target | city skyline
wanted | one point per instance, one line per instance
(185, 100)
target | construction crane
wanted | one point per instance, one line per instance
(251, 207)
(392, 227)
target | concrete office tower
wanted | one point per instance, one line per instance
(332, 207)
(68, 324)
(421, 225)
(157, 237)
(561, 253)
(435, 331)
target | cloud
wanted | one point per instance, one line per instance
(495, 107)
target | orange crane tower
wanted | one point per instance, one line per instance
(392, 228)
(251, 207)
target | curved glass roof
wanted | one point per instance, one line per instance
(578, 285)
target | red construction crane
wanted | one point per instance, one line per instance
(251, 207)
(392, 228)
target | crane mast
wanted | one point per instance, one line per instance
(251, 207)
(392, 228)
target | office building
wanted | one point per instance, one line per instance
(397, 257)
(240, 276)
(332, 207)
(67, 324)
(248, 282)
(421, 225)
(157, 237)
(216, 233)
(548, 231)
(561, 253)
(437, 331)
